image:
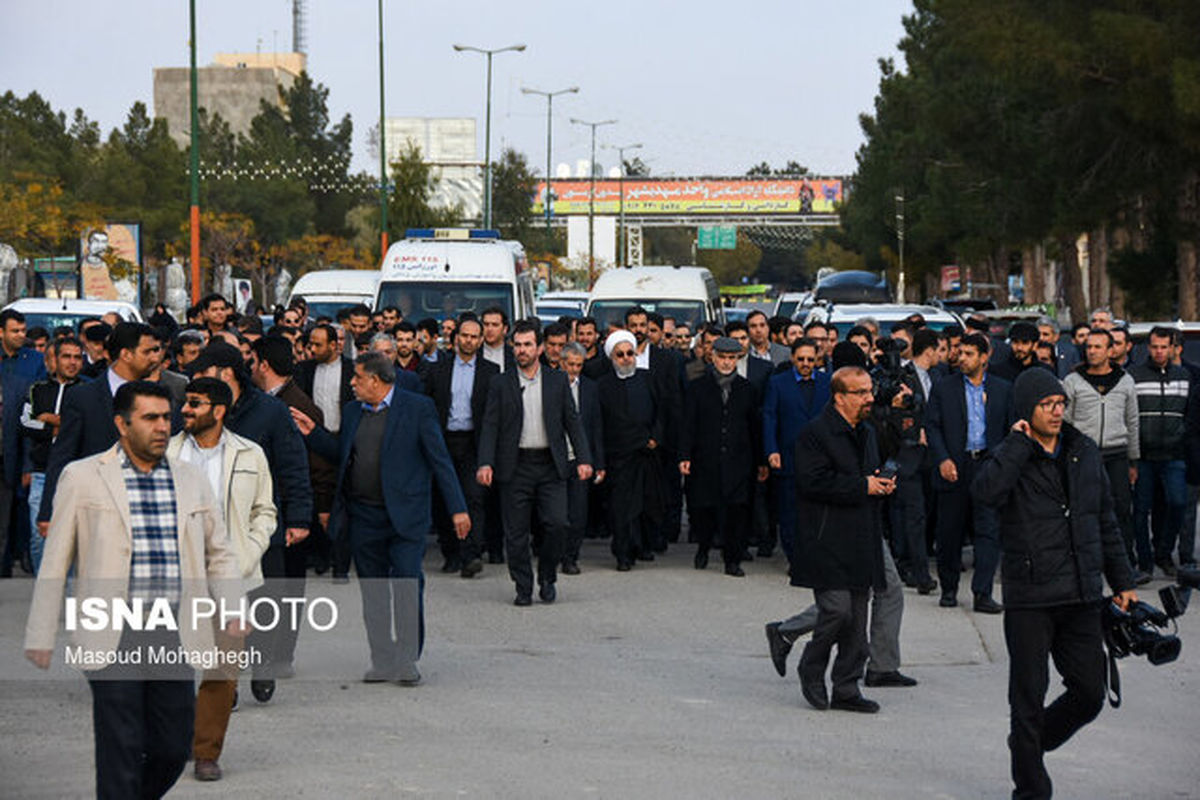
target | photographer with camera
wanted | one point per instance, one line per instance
(1060, 540)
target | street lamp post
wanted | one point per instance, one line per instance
(592, 197)
(621, 255)
(487, 134)
(194, 168)
(383, 182)
(900, 238)
(549, 132)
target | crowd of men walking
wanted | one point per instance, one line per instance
(318, 444)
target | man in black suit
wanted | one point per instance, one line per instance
(523, 447)
(720, 452)
(970, 412)
(759, 373)
(459, 388)
(587, 402)
(87, 426)
(326, 375)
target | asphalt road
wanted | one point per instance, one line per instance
(649, 684)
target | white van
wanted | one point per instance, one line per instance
(51, 313)
(327, 291)
(689, 294)
(441, 273)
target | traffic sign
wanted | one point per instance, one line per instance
(716, 237)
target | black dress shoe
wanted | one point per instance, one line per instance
(547, 593)
(263, 690)
(570, 568)
(1167, 565)
(472, 568)
(893, 678)
(766, 552)
(624, 566)
(779, 647)
(986, 605)
(646, 556)
(948, 601)
(452, 565)
(857, 703)
(734, 571)
(701, 559)
(523, 600)
(816, 695)
(928, 587)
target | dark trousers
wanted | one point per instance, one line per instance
(534, 484)
(461, 445)
(392, 585)
(1171, 477)
(1117, 467)
(672, 483)
(9, 550)
(729, 523)
(841, 621)
(955, 508)
(142, 718)
(284, 570)
(1072, 636)
(785, 498)
(493, 528)
(577, 514)
(906, 509)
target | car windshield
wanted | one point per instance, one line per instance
(440, 299)
(52, 320)
(787, 308)
(555, 310)
(612, 312)
(843, 328)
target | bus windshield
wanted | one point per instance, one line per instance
(440, 299)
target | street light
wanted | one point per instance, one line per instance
(592, 197)
(487, 135)
(549, 129)
(383, 181)
(900, 237)
(621, 256)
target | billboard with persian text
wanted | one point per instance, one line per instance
(682, 196)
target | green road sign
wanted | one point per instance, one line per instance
(716, 237)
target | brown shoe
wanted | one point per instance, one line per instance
(207, 770)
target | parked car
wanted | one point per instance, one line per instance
(51, 313)
(843, 317)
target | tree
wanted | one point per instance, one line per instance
(513, 189)
(730, 266)
(413, 184)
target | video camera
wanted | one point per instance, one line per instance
(1138, 630)
(888, 375)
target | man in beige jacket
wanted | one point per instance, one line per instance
(141, 531)
(240, 478)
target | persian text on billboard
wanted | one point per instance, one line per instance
(683, 196)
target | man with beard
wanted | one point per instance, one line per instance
(523, 447)
(632, 423)
(720, 452)
(240, 479)
(1022, 336)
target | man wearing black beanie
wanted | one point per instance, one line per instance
(1059, 540)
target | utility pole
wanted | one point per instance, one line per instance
(487, 135)
(383, 181)
(900, 238)
(547, 205)
(592, 198)
(195, 161)
(622, 256)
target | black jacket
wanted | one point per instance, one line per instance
(722, 440)
(592, 420)
(440, 376)
(839, 535)
(266, 421)
(87, 429)
(1162, 403)
(43, 399)
(1056, 546)
(306, 372)
(499, 441)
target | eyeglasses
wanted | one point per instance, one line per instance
(804, 359)
(1053, 405)
(857, 391)
(195, 402)
(623, 354)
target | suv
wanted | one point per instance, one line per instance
(845, 316)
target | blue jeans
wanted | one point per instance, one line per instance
(36, 541)
(1171, 476)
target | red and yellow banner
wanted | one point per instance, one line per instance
(718, 196)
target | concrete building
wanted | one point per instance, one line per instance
(233, 86)
(450, 144)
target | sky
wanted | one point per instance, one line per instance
(708, 88)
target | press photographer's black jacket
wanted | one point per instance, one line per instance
(1057, 546)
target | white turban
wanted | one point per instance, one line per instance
(615, 338)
